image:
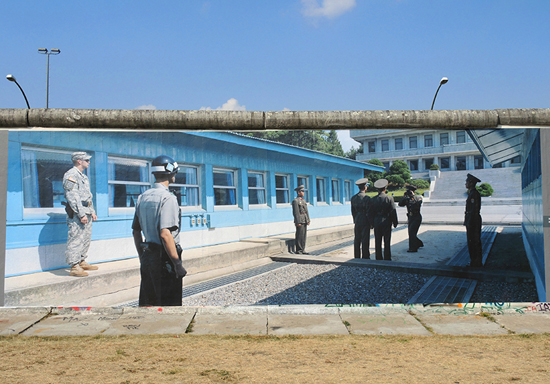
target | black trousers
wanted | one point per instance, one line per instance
(382, 232)
(361, 241)
(473, 234)
(159, 288)
(300, 238)
(413, 227)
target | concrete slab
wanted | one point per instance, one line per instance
(379, 321)
(15, 320)
(75, 322)
(525, 323)
(230, 321)
(305, 320)
(152, 321)
(464, 324)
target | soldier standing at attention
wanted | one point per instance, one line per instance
(413, 203)
(301, 220)
(382, 215)
(80, 214)
(359, 211)
(472, 221)
(158, 217)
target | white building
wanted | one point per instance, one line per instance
(452, 150)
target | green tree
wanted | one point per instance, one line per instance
(400, 168)
(321, 141)
(352, 153)
(373, 176)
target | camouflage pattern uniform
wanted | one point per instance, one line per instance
(79, 197)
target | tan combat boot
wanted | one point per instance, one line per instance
(76, 270)
(87, 267)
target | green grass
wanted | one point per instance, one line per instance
(398, 192)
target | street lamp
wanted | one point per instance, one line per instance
(11, 78)
(443, 81)
(44, 51)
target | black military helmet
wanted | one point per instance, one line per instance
(164, 165)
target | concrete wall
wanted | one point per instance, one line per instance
(36, 237)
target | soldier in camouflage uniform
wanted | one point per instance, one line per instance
(301, 220)
(80, 214)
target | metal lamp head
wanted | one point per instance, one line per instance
(11, 78)
(42, 50)
(443, 81)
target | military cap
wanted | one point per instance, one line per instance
(471, 177)
(299, 188)
(362, 181)
(411, 188)
(380, 184)
(80, 156)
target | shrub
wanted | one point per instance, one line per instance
(420, 183)
(434, 167)
(395, 181)
(485, 189)
(400, 168)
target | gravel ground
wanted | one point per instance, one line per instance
(316, 284)
(501, 292)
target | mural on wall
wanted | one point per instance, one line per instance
(233, 189)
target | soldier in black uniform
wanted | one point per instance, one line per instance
(413, 203)
(382, 215)
(359, 211)
(158, 217)
(301, 220)
(472, 221)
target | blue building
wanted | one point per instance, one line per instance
(230, 187)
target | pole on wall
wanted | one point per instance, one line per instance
(545, 170)
(3, 206)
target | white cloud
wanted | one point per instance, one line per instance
(150, 106)
(328, 8)
(231, 105)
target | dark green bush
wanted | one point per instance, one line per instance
(420, 183)
(434, 167)
(485, 189)
(395, 181)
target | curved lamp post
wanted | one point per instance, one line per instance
(11, 78)
(44, 51)
(443, 81)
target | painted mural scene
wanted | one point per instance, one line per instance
(170, 218)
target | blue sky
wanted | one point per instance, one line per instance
(272, 55)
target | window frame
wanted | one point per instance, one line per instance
(415, 140)
(446, 136)
(399, 141)
(233, 187)
(264, 188)
(462, 137)
(348, 190)
(197, 186)
(371, 145)
(323, 189)
(144, 184)
(332, 184)
(385, 144)
(428, 141)
(306, 186)
(286, 176)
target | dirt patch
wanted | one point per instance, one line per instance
(325, 359)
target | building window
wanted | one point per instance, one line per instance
(444, 139)
(478, 162)
(445, 162)
(282, 190)
(428, 141)
(304, 180)
(413, 142)
(499, 165)
(321, 191)
(461, 163)
(347, 190)
(128, 178)
(398, 144)
(43, 177)
(386, 165)
(372, 146)
(428, 163)
(256, 188)
(225, 189)
(413, 165)
(335, 190)
(186, 187)
(385, 145)
(516, 160)
(461, 137)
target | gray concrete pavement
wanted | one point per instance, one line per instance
(474, 319)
